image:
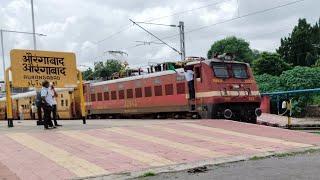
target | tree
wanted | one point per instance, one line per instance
(105, 70)
(256, 54)
(317, 64)
(87, 74)
(239, 47)
(300, 48)
(269, 63)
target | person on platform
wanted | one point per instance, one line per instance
(47, 102)
(54, 105)
(33, 111)
(21, 113)
(38, 103)
(188, 74)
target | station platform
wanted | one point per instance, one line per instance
(119, 149)
(282, 121)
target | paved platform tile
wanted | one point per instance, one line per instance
(66, 154)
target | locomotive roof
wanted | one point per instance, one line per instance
(208, 61)
(161, 73)
(144, 76)
(33, 93)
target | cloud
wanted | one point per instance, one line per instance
(76, 25)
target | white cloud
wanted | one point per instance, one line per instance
(74, 25)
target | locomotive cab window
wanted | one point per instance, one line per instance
(220, 70)
(239, 71)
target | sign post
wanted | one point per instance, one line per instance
(82, 103)
(30, 68)
(8, 99)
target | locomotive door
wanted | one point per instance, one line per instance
(198, 85)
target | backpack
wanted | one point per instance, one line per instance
(38, 100)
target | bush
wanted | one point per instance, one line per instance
(294, 79)
(270, 63)
(268, 83)
(301, 78)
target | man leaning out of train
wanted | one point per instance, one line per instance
(188, 74)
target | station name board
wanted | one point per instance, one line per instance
(30, 68)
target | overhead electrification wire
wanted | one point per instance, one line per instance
(126, 27)
(174, 49)
(236, 18)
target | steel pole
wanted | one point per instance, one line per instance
(182, 41)
(2, 51)
(33, 28)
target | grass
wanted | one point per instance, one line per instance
(282, 155)
(255, 158)
(147, 174)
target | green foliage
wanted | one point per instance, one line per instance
(106, 69)
(269, 63)
(87, 74)
(256, 54)
(301, 47)
(301, 78)
(294, 79)
(103, 70)
(239, 47)
(317, 64)
(268, 83)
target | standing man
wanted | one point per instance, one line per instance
(39, 107)
(188, 74)
(54, 105)
(47, 102)
(21, 113)
(33, 111)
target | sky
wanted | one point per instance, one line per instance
(91, 28)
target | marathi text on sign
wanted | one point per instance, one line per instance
(30, 68)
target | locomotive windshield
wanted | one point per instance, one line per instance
(239, 71)
(220, 70)
(227, 70)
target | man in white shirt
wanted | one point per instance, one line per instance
(33, 111)
(47, 102)
(188, 74)
(54, 105)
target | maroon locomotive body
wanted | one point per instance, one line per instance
(224, 89)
